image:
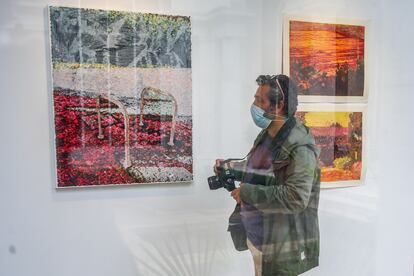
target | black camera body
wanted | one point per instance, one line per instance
(225, 178)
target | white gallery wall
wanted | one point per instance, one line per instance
(180, 229)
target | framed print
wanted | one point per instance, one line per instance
(326, 58)
(122, 97)
(339, 132)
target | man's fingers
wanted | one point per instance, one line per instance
(217, 162)
(216, 165)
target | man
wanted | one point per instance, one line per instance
(280, 181)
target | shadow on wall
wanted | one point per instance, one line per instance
(188, 249)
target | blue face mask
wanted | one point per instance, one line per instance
(258, 117)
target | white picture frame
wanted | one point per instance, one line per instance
(170, 177)
(329, 107)
(287, 18)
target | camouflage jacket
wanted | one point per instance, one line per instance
(288, 197)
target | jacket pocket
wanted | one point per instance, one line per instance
(280, 164)
(279, 168)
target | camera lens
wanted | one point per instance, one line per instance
(214, 183)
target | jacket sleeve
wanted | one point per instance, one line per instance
(293, 194)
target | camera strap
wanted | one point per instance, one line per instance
(275, 146)
(278, 141)
(281, 136)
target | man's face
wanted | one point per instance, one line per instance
(261, 99)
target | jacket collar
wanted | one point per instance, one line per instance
(295, 134)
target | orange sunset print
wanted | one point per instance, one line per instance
(339, 137)
(327, 59)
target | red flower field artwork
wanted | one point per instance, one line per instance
(84, 159)
(121, 97)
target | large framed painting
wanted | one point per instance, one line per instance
(339, 132)
(121, 97)
(326, 58)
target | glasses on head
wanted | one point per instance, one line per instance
(272, 81)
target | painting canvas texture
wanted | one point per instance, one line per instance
(121, 96)
(326, 59)
(338, 134)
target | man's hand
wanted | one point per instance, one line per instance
(236, 194)
(216, 165)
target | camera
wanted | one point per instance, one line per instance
(225, 178)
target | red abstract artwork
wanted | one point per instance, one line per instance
(327, 59)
